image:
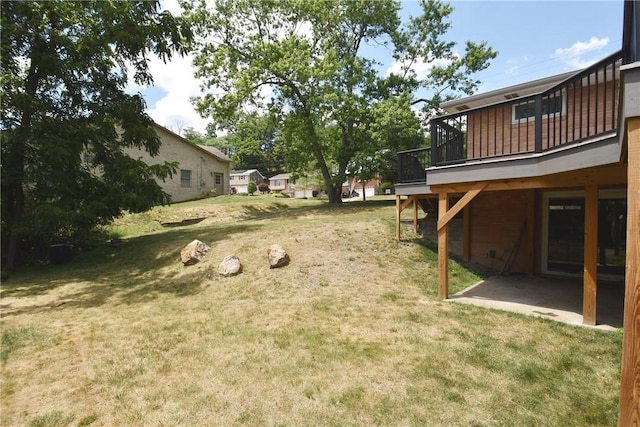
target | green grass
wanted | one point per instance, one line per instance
(350, 333)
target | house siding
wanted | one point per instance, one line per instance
(203, 167)
(487, 128)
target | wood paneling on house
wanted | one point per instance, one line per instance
(586, 111)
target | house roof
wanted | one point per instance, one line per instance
(216, 152)
(245, 172)
(506, 93)
(281, 176)
(212, 151)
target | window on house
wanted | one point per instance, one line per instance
(551, 106)
(242, 177)
(218, 179)
(185, 178)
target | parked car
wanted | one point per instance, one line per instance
(346, 195)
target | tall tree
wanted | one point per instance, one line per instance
(307, 57)
(255, 138)
(66, 117)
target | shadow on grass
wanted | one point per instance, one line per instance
(138, 270)
(281, 209)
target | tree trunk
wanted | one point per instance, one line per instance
(16, 163)
(364, 193)
(13, 235)
(334, 198)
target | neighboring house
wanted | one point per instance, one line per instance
(240, 180)
(353, 184)
(533, 178)
(282, 183)
(202, 170)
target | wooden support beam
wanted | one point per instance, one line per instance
(629, 414)
(400, 206)
(398, 212)
(607, 175)
(415, 214)
(466, 233)
(443, 248)
(464, 201)
(589, 284)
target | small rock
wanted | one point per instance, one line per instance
(230, 266)
(193, 252)
(277, 257)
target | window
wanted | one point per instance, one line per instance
(185, 178)
(218, 179)
(551, 106)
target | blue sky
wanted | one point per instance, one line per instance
(534, 39)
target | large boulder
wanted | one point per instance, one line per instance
(277, 257)
(230, 266)
(193, 252)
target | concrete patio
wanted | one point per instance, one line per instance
(558, 299)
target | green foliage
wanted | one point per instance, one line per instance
(252, 187)
(331, 105)
(66, 118)
(253, 142)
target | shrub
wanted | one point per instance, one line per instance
(252, 187)
(263, 188)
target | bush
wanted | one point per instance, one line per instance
(252, 187)
(263, 188)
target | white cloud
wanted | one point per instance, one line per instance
(574, 55)
(174, 110)
(176, 79)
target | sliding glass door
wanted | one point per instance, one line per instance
(563, 233)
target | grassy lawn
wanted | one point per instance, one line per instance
(350, 333)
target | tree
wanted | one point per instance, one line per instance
(307, 56)
(254, 139)
(252, 187)
(66, 117)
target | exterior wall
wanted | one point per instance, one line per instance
(301, 194)
(428, 227)
(280, 184)
(203, 166)
(577, 120)
(496, 221)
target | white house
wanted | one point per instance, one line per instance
(240, 179)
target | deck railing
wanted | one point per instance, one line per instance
(412, 165)
(584, 106)
(581, 107)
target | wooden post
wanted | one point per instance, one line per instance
(443, 248)
(415, 214)
(398, 211)
(630, 378)
(589, 283)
